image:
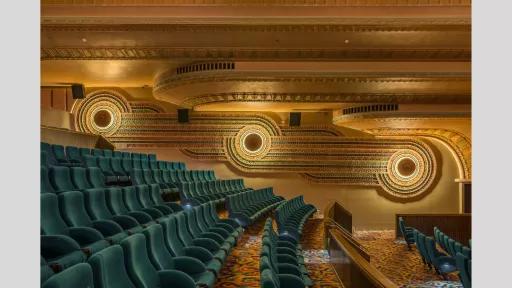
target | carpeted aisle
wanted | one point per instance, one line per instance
(242, 266)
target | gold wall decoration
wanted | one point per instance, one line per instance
(100, 112)
(404, 167)
(459, 144)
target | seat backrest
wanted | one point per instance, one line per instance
(58, 151)
(144, 196)
(107, 153)
(104, 164)
(115, 202)
(96, 204)
(46, 186)
(72, 209)
(73, 153)
(96, 177)
(130, 199)
(268, 279)
(140, 270)
(109, 268)
(461, 262)
(61, 179)
(172, 240)
(50, 157)
(90, 160)
(77, 276)
(85, 151)
(97, 152)
(117, 154)
(79, 178)
(51, 220)
(157, 250)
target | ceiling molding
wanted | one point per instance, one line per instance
(342, 3)
(231, 53)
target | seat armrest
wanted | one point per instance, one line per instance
(174, 206)
(140, 216)
(289, 280)
(285, 268)
(188, 265)
(200, 253)
(206, 243)
(107, 227)
(284, 258)
(220, 231)
(85, 235)
(287, 251)
(288, 238)
(174, 278)
(155, 214)
(214, 236)
(55, 245)
(226, 227)
(125, 221)
(230, 222)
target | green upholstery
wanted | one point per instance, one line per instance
(143, 273)
(104, 165)
(58, 152)
(292, 215)
(109, 269)
(84, 151)
(96, 206)
(247, 207)
(46, 186)
(117, 154)
(61, 179)
(117, 169)
(162, 259)
(176, 247)
(95, 177)
(144, 195)
(189, 240)
(156, 197)
(115, 203)
(73, 211)
(133, 203)
(137, 177)
(464, 266)
(226, 243)
(97, 152)
(90, 161)
(442, 263)
(78, 276)
(107, 153)
(90, 240)
(79, 178)
(126, 163)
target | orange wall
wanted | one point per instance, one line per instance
(369, 209)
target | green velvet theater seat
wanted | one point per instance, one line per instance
(79, 178)
(156, 197)
(176, 247)
(95, 177)
(96, 205)
(143, 273)
(144, 196)
(115, 204)
(109, 269)
(90, 240)
(77, 276)
(73, 212)
(46, 186)
(61, 179)
(162, 259)
(133, 203)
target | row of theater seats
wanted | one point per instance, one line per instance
(196, 193)
(99, 225)
(455, 257)
(281, 261)
(57, 155)
(291, 216)
(247, 207)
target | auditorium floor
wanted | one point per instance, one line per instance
(242, 267)
(400, 265)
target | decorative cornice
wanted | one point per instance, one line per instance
(343, 3)
(399, 115)
(412, 98)
(233, 53)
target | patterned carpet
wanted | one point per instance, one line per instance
(402, 266)
(242, 266)
(391, 257)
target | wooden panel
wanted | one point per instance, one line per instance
(457, 226)
(342, 216)
(467, 197)
(59, 99)
(67, 137)
(353, 269)
(46, 98)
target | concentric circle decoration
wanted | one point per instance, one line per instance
(100, 112)
(252, 142)
(410, 172)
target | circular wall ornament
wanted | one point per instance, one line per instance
(410, 172)
(100, 112)
(252, 142)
